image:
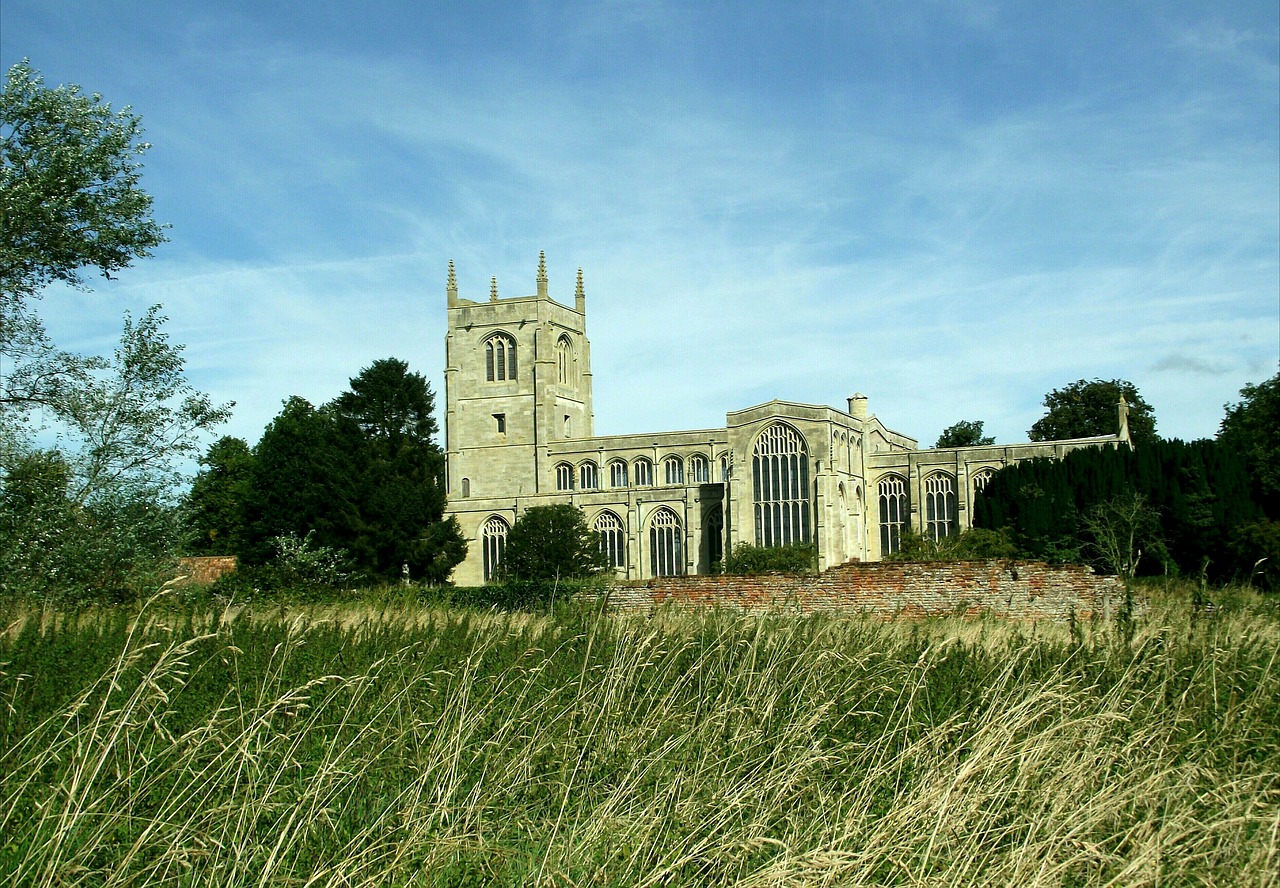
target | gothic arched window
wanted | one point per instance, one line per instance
(674, 470)
(564, 476)
(780, 482)
(893, 513)
(566, 365)
(699, 469)
(493, 542)
(613, 542)
(617, 473)
(499, 358)
(666, 544)
(643, 474)
(981, 478)
(589, 475)
(939, 505)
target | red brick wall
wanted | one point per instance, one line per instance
(1019, 590)
(205, 569)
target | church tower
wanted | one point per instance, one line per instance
(517, 378)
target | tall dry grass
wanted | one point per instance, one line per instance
(684, 749)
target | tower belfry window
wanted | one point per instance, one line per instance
(499, 358)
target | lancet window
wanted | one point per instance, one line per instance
(613, 542)
(893, 513)
(939, 505)
(566, 364)
(493, 540)
(499, 358)
(589, 475)
(780, 483)
(666, 544)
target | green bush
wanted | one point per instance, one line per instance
(797, 558)
(975, 544)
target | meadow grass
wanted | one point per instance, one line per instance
(405, 744)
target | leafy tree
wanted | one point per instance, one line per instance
(1120, 529)
(552, 542)
(1252, 427)
(965, 433)
(69, 176)
(214, 509)
(1085, 409)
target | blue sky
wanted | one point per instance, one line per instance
(951, 207)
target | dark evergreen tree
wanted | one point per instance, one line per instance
(1200, 492)
(214, 509)
(305, 476)
(401, 492)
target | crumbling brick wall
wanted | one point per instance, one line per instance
(1017, 590)
(205, 569)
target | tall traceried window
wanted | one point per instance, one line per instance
(643, 472)
(499, 358)
(617, 473)
(981, 478)
(564, 476)
(939, 506)
(674, 470)
(493, 542)
(613, 541)
(589, 475)
(566, 362)
(699, 469)
(780, 483)
(666, 544)
(893, 513)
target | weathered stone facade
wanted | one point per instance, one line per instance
(520, 432)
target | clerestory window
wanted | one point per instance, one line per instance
(643, 472)
(589, 475)
(674, 470)
(699, 469)
(617, 473)
(564, 476)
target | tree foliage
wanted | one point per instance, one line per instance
(360, 475)
(965, 433)
(69, 180)
(552, 542)
(1088, 408)
(1252, 427)
(214, 509)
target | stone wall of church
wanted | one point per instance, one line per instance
(1018, 590)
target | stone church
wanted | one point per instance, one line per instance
(519, 432)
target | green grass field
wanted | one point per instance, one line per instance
(416, 745)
